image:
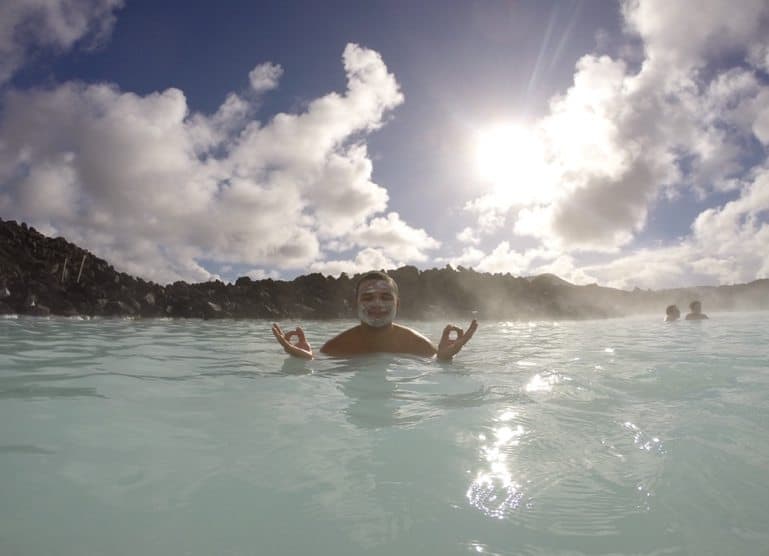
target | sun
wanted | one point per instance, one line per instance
(510, 158)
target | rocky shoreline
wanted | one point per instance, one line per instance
(44, 276)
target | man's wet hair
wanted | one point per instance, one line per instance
(375, 275)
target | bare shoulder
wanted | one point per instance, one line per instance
(406, 332)
(696, 316)
(397, 339)
(411, 341)
(343, 343)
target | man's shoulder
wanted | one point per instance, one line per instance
(696, 316)
(342, 340)
(398, 339)
(411, 341)
(350, 332)
(405, 331)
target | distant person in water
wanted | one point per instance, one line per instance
(377, 302)
(672, 313)
(696, 311)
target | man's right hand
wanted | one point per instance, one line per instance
(300, 349)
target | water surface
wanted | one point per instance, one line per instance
(624, 436)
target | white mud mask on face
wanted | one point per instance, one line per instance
(377, 303)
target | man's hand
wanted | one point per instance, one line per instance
(300, 349)
(449, 347)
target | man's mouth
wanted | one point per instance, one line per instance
(378, 312)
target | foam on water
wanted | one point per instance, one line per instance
(626, 436)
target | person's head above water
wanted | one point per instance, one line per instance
(376, 298)
(672, 313)
(696, 311)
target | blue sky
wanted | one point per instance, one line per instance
(623, 143)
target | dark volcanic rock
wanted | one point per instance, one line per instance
(42, 276)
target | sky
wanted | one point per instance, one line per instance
(619, 143)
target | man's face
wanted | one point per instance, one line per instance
(377, 303)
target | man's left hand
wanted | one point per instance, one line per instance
(449, 346)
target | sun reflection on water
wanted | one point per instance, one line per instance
(542, 382)
(495, 490)
(643, 440)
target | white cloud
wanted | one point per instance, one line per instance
(738, 232)
(367, 259)
(758, 116)
(141, 181)
(395, 238)
(490, 211)
(505, 259)
(604, 169)
(565, 267)
(530, 262)
(468, 235)
(262, 274)
(27, 26)
(469, 258)
(264, 77)
(620, 139)
(759, 56)
(645, 268)
(727, 246)
(344, 195)
(385, 242)
(712, 28)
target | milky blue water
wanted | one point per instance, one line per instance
(626, 436)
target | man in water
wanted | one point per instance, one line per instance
(696, 313)
(377, 301)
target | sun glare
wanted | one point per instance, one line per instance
(511, 159)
